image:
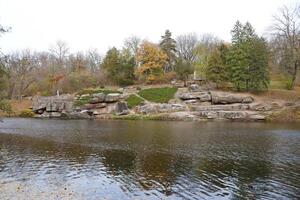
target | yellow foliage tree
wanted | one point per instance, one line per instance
(151, 60)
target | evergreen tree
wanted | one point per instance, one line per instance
(247, 59)
(119, 66)
(216, 70)
(168, 45)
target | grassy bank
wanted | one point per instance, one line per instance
(158, 95)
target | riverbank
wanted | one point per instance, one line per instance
(163, 102)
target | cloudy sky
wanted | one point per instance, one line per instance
(85, 24)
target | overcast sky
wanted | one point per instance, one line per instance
(85, 24)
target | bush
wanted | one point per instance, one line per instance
(5, 106)
(289, 84)
(158, 95)
(133, 101)
(26, 113)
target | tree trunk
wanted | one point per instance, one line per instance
(295, 74)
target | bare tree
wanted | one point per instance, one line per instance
(94, 60)
(186, 47)
(286, 32)
(132, 43)
(60, 52)
(21, 66)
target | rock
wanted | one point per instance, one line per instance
(232, 114)
(194, 88)
(201, 96)
(113, 97)
(122, 108)
(75, 115)
(182, 116)
(207, 114)
(192, 101)
(228, 98)
(160, 108)
(257, 117)
(188, 96)
(221, 107)
(55, 114)
(52, 104)
(109, 109)
(93, 106)
(261, 106)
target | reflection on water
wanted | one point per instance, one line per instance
(56, 159)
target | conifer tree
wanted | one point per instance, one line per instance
(247, 59)
(168, 45)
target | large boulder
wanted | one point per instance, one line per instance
(93, 106)
(229, 98)
(201, 96)
(262, 106)
(113, 97)
(122, 108)
(184, 115)
(194, 88)
(52, 104)
(221, 107)
(153, 108)
(75, 115)
(108, 109)
(98, 98)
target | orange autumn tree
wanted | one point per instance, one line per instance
(151, 60)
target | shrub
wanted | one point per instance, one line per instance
(289, 84)
(26, 113)
(5, 106)
(133, 101)
(158, 95)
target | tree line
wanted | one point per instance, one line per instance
(245, 63)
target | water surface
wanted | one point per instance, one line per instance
(84, 159)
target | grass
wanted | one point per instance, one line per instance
(133, 101)
(158, 95)
(91, 91)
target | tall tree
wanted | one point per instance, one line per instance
(186, 47)
(119, 66)
(168, 45)
(248, 69)
(151, 59)
(286, 30)
(216, 70)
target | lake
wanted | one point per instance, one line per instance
(86, 159)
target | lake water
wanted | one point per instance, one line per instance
(85, 159)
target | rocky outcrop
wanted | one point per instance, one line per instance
(122, 108)
(201, 96)
(154, 108)
(52, 106)
(229, 98)
(221, 107)
(113, 97)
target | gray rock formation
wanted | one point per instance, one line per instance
(201, 96)
(153, 108)
(52, 104)
(229, 98)
(98, 98)
(113, 97)
(122, 108)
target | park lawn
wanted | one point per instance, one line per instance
(158, 95)
(133, 100)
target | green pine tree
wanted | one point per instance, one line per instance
(168, 45)
(216, 69)
(247, 59)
